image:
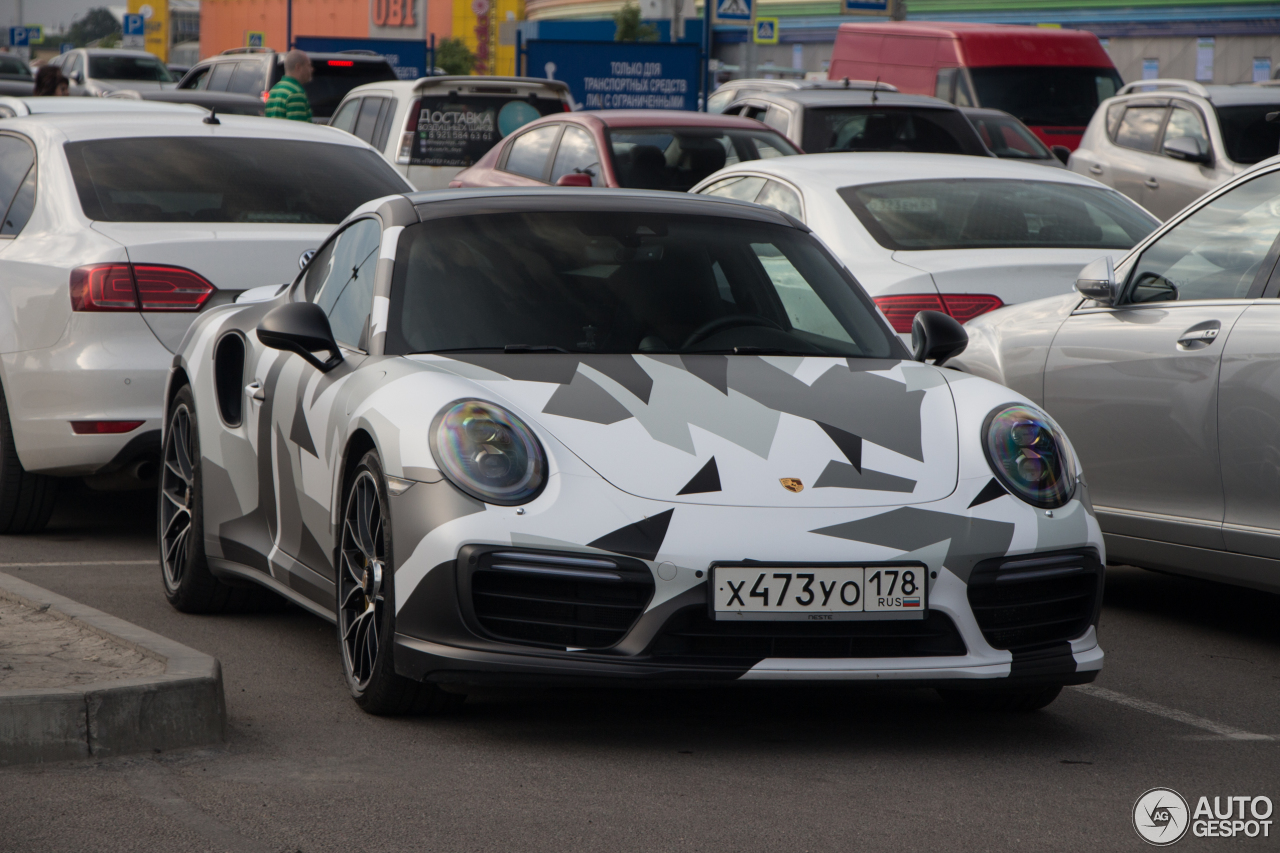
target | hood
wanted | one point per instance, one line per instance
(1015, 275)
(231, 256)
(729, 430)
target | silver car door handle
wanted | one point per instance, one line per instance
(1201, 336)
(1096, 169)
(1153, 183)
(255, 392)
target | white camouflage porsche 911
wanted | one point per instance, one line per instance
(620, 436)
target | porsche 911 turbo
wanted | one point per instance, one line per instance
(621, 437)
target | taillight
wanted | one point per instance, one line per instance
(567, 108)
(901, 309)
(266, 95)
(137, 287)
(405, 152)
(170, 288)
(342, 63)
(104, 427)
(105, 287)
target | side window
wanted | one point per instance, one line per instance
(389, 107)
(718, 101)
(220, 77)
(318, 270)
(347, 293)
(963, 95)
(198, 80)
(345, 117)
(1216, 252)
(247, 78)
(577, 154)
(1140, 127)
(945, 84)
(780, 197)
(778, 118)
(1114, 112)
(530, 151)
(1186, 123)
(17, 183)
(367, 120)
(76, 65)
(743, 188)
(752, 112)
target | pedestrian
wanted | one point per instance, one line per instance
(287, 98)
(51, 81)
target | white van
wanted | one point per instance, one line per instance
(434, 127)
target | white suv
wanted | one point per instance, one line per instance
(119, 228)
(1167, 146)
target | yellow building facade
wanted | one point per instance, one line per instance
(479, 24)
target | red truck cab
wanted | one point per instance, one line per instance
(1052, 79)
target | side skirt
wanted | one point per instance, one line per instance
(236, 570)
(1224, 566)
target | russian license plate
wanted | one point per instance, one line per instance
(818, 593)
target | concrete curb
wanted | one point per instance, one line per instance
(184, 707)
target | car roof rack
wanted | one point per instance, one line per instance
(1189, 86)
(231, 50)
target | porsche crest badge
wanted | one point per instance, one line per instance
(792, 484)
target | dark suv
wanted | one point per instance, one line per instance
(253, 71)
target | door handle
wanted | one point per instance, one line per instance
(1198, 338)
(255, 392)
(1153, 183)
(1096, 169)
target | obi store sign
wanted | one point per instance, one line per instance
(399, 17)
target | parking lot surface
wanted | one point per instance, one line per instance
(1187, 700)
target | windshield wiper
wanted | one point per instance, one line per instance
(533, 348)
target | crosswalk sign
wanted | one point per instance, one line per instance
(733, 11)
(766, 31)
(255, 39)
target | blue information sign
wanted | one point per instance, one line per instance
(135, 25)
(18, 37)
(867, 6)
(733, 11)
(407, 56)
(608, 75)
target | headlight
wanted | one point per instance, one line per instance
(488, 452)
(1029, 457)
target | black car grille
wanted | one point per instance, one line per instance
(565, 600)
(691, 634)
(1035, 600)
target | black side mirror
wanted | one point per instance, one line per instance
(937, 336)
(1062, 152)
(302, 328)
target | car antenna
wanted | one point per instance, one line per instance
(875, 88)
(846, 82)
(212, 117)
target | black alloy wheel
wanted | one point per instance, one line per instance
(188, 583)
(366, 603)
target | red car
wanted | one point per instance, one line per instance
(640, 149)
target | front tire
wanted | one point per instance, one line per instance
(188, 583)
(26, 499)
(366, 603)
(1002, 701)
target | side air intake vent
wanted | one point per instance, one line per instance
(1023, 603)
(554, 599)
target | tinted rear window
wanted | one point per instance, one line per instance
(332, 80)
(15, 66)
(925, 131)
(996, 214)
(129, 68)
(1246, 133)
(176, 179)
(459, 131)
(1045, 95)
(676, 158)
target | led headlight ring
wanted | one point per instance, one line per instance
(488, 452)
(1029, 456)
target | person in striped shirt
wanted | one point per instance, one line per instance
(287, 98)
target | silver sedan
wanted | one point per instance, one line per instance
(1165, 371)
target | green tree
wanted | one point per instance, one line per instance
(630, 27)
(95, 24)
(453, 55)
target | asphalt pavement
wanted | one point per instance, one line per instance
(1188, 699)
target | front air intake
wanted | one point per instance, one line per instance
(1023, 603)
(545, 598)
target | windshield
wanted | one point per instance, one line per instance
(997, 214)
(1007, 137)
(1064, 96)
(145, 68)
(13, 66)
(676, 158)
(192, 179)
(614, 282)
(925, 131)
(1246, 133)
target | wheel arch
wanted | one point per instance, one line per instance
(177, 379)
